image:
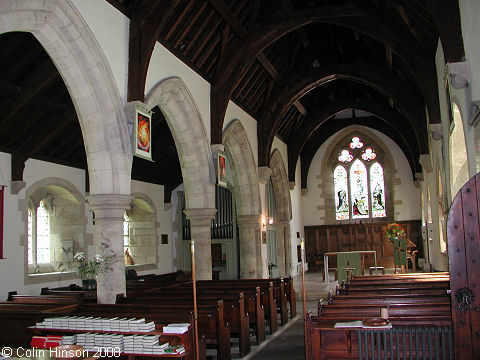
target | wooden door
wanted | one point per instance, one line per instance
(464, 258)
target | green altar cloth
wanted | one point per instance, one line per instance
(345, 260)
(399, 251)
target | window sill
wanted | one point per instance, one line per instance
(50, 277)
(141, 267)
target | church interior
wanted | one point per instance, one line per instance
(191, 161)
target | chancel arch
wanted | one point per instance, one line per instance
(283, 212)
(194, 153)
(247, 197)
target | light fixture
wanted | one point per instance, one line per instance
(270, 220)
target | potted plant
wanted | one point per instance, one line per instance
(88, 270)
(394, 230)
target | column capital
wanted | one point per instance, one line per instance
(109, 205)
(248, 220)
(200, 217)
(264, 173)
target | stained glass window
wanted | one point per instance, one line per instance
(356, 143)
(345, 156)
(359, 186)
(341, 193)
(377, 187)
(369, 154)
(359, 190)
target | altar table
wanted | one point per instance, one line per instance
(326, 255)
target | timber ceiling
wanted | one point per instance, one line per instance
(292, 65)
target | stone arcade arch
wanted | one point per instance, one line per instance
(65, 36)
(184, 120)
(247, 197)
(283, 211)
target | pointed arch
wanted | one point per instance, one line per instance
(280, 186)
(283, 212)
(243, 169)
(65, 36)
(184, 120)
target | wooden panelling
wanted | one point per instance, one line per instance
(348, 237)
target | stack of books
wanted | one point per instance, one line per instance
(97, 340)
(97, 324)
(178, 328)
(46, 342)
(143, 344)
(69, 339)
(174, 349)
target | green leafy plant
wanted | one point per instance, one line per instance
(394, 230)
(90, 269)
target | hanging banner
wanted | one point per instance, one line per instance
(222, 169)
(142, 133)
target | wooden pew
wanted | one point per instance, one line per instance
(235, 315)
(71, 290)
(324, 341)
(44, 299)
(278, 292)
(373, 310)
(252, 294)
(209, 322)
(16, 318)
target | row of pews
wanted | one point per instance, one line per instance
(248, 307)
(226, 310)
(419, 311)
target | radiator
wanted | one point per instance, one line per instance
(406, 342)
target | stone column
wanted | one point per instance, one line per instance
(280, 229)
(288, 248)
(200, 222)
(249, 241)
(108, 231)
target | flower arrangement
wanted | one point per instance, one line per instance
(394, 230)
(89, 269)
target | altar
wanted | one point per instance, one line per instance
(356, 258)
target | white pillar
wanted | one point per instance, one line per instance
(108, 231)
(250, 250)
(200, 224)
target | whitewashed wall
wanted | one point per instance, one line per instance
(164, 224)
(111, 28)
(164, 64)
(14, 226)
(406, 191)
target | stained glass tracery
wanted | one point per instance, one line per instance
(345, 156)
(359, 187)
(369, 154)
(356, 143)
